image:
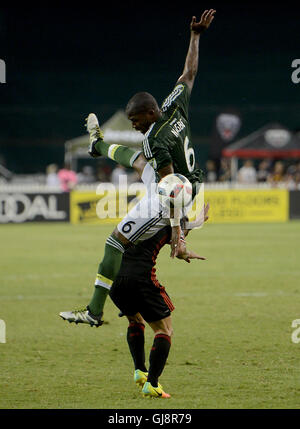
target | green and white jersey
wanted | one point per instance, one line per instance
(168, 139)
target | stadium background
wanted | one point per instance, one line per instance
(64, 62)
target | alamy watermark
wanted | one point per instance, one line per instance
(295, 76)
(2, 331)
(2, 71)
(296, 333)
(143, 202)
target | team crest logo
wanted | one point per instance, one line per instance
(228, 125)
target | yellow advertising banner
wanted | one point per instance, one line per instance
(257, 205)
(226, 206)
(105, 205)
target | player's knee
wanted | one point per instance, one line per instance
(137, 318)
(166, 333)
(170, 331)
(166, 330)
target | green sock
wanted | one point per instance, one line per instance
(121, 154)
(98, 300)
(107, 272)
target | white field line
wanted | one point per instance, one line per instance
(36, 276)
(38, 297)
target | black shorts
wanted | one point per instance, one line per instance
(149, 298)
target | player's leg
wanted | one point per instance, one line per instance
(136, 343)
(158, 356)
(121, 154)
(125, 295)
(107, 271)
(156, 308)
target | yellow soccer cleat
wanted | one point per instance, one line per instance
(140, 377)
(149, 391)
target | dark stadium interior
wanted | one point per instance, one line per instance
(64, 62)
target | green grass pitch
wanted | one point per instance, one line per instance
(232, 344)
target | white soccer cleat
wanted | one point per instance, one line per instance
(82, 316)
(92, 126)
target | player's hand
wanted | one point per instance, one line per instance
(190, 255)
(205, 21)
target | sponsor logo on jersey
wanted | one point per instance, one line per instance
(172, 97)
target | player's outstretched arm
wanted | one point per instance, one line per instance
(192, 58)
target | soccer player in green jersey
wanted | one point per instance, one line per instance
(166, 149)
